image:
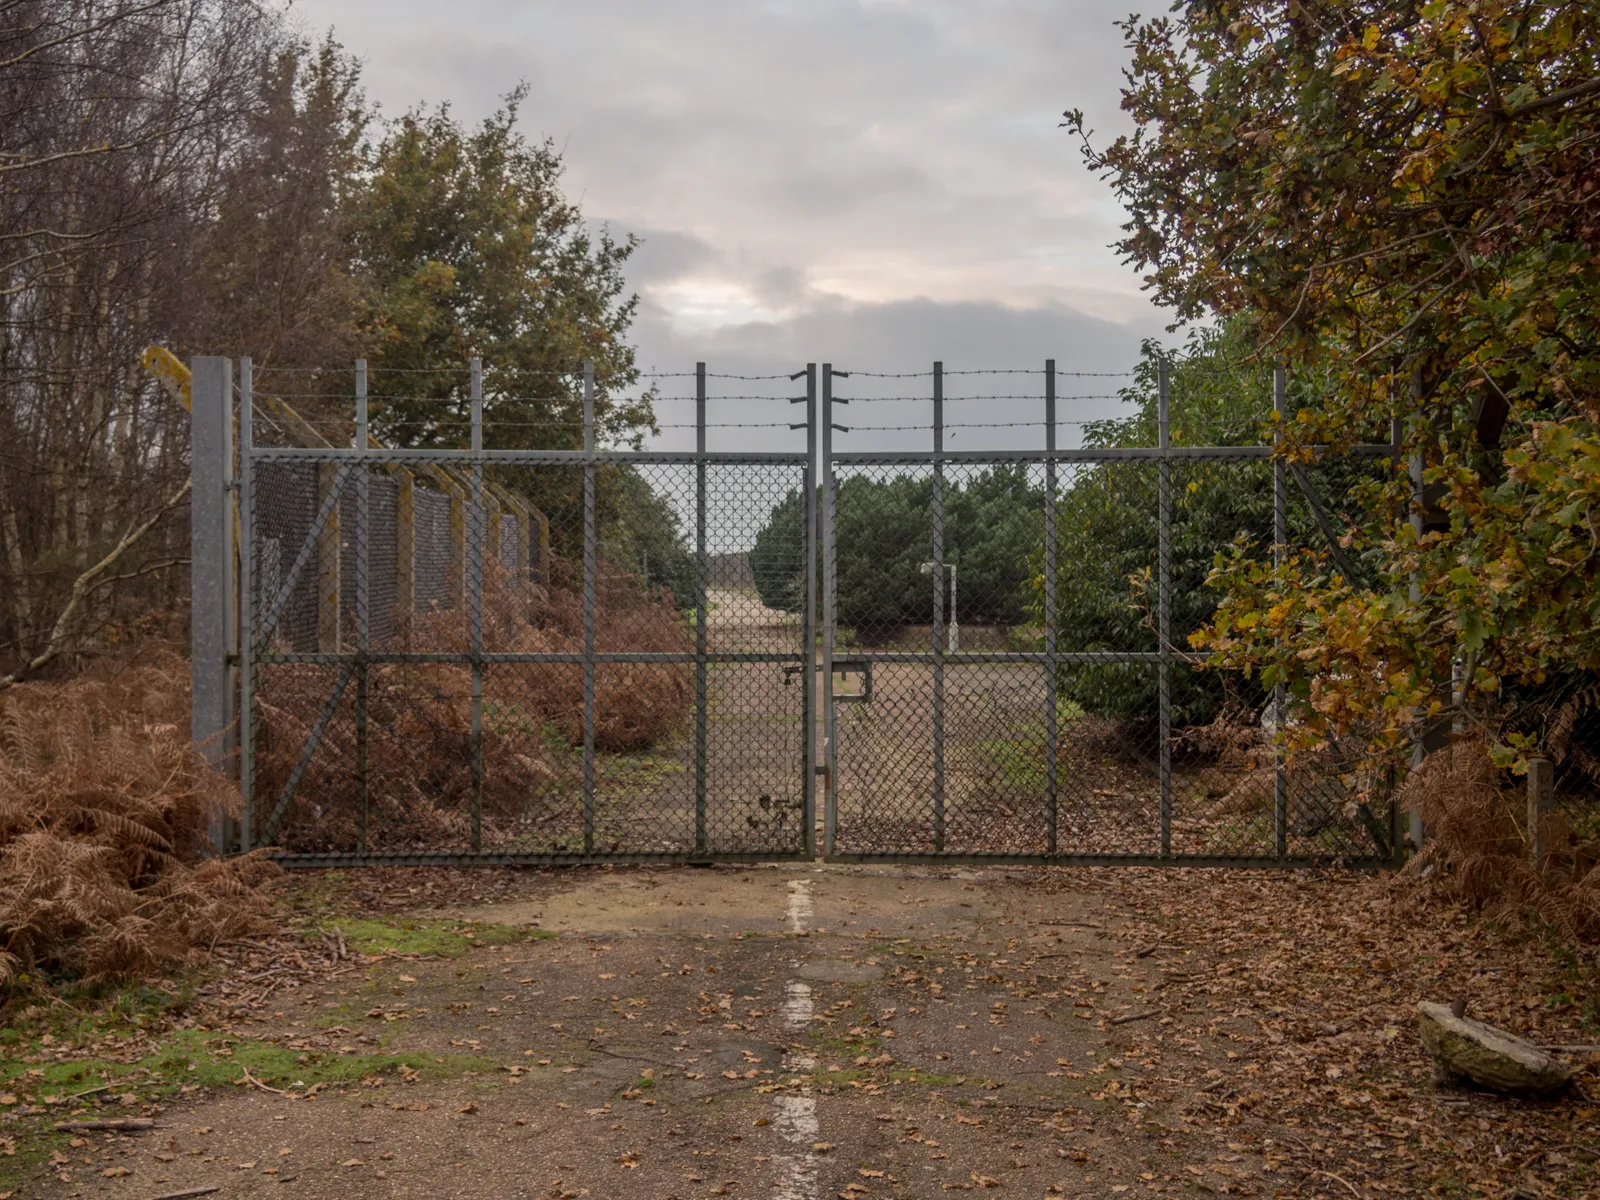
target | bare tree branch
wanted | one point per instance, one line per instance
(61, 632)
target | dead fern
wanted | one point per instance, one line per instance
(419, 717)
(1478, 840)
(104, 810)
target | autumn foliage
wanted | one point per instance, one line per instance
(1403, 201)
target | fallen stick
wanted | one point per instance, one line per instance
(246, 1077)
(1154, 1012)
(125, 1124)
(1074, 924)
(188, 1192)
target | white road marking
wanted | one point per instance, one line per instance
(796, 1120)
(799, 904)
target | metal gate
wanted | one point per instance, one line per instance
(558, 656)
(1054, 713)
(495, 655)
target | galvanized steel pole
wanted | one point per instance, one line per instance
(1051, 734)
(363, 606)
(702, 568)
(212, 577)
(808, 628)
(830, 613)
(1164, 597)
(474, 551)
(588, 606)
(247, 647)
(938, 607)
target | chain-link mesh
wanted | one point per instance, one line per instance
(539, 660)
(552, 658)
(963, 731)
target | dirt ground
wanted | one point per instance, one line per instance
(822, 1031)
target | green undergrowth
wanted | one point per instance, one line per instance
(405, 935)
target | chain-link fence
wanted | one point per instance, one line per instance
(556, 655)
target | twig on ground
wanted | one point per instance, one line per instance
(599, 1049)
(246, 1077)
(1072, 924)
(118, 1124)
(1154, 1012)
(188, 1192)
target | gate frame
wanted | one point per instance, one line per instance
(1164, 454)
(227, 648)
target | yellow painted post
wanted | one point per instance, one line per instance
(541, 567)
(458, 550)
(405, 550)
(328, 546)
(491, 548)
(523, 512)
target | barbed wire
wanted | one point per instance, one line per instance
(964, 425)
(435, 424)
(1040, 371)
(960, 399)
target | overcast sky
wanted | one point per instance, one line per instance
(879, 183)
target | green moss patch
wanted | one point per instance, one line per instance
(443, 938)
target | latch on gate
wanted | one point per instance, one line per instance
(844, 669)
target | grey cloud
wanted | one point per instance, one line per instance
(903, 336)
(889, 173)
(666, 254)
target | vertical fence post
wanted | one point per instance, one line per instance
(589, 589)
(363, 604)
(1541, 799)
(212, 615)
(1164, 595)
(830, 613)
(938, 606)
(808, 625)
(472, 546)
(1050, 732)
(1280, 551)
(701, 567)
(246, 641)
